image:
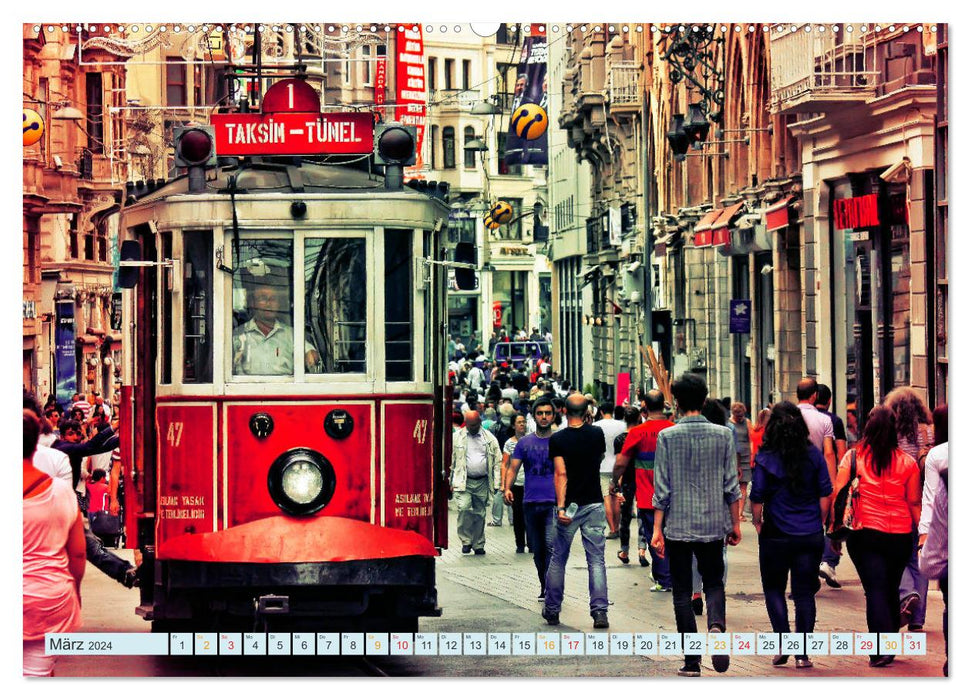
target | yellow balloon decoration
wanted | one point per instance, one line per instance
(33, 127)
(490, 224)
(501, 212)
(529, 121)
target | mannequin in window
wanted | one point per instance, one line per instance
(264, 344)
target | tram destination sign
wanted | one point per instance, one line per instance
(293, 133)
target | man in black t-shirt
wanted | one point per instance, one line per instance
(576, 451)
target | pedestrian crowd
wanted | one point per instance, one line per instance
(73, 499)
(556, 463)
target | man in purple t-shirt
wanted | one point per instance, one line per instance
(539, 497)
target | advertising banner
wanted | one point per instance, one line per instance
(380, 82)
(64, 352)
(530, 89)
(410, 95)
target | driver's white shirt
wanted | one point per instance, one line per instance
(266, 355)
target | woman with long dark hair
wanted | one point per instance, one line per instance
(790, 499)
(884, 518)
(915, 437)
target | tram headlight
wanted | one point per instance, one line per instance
(301, 481)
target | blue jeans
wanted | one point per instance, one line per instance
(591, 521)
(796, 556)
(540, 523)
(696, 582)
(830, 555)
(660, 568)
(499, 506)
(915, 582)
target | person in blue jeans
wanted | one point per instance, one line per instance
(696, 510)
(532, 452)
(577, 451)
(790, 501)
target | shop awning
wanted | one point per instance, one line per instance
(702, 229)
(89, 339)
(720, 234)
(777, 216)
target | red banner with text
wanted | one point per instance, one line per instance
(410, 95)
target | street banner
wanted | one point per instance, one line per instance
(530, 89)
(410, 96)
(65, 361)
(623, 389)
(740, 316)
(380, 82)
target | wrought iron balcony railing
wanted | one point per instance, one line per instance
(624, 85)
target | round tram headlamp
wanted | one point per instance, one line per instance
(194, 146)
(301, 481)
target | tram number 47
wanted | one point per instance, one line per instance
(421, 431)
(174, 436)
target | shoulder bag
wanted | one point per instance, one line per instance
(846, 503)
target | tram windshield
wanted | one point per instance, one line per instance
(334, 306)
(336, 302)
(263, 310)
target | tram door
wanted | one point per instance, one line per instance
(145, 358)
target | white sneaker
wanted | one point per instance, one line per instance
(828, 574)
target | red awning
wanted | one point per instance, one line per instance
(777, 216)
(720, 235)
(702, 236)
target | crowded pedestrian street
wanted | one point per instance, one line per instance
(545, 349)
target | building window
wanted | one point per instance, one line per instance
(449, 73)
(368, 66)
(431, 146)
(466, 75)
(432, 70)
(448, 147)
(469, 155)
(95, 125)
(175, 82)
(73, 235)
(216, 87)
(197, 94)
(102, 241)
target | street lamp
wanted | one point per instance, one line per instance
(68, 113)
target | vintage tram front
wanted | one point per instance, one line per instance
(284, 400)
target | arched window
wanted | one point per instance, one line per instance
(469, 155)
(448, 147)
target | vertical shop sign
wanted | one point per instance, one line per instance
(410, 95)
(380, 82)
(64, 352)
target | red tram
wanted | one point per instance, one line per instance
(284, 401)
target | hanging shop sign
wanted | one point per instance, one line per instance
(740, 316)
(856, 212)
(65, 362)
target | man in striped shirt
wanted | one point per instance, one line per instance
(696, 510)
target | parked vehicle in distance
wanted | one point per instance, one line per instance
(517, 352)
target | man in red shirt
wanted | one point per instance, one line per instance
(640, 446)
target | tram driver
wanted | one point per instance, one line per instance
(263, 345)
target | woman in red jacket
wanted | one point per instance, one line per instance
(884, 516)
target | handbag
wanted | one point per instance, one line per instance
(104, 524)
(845, 505)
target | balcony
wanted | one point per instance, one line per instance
(816, 71)
(624, 87)
(453, 101)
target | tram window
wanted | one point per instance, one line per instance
(335, 283)
(398, 295)
(263, 310)
(197, 310)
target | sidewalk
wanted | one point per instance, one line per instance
(511, 578)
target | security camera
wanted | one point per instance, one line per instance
(767, 269)
(899, 172)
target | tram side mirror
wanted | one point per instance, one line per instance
(465, 253)
(131, 251)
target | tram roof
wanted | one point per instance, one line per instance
(264, 177)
